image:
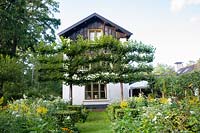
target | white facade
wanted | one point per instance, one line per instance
(113, 94)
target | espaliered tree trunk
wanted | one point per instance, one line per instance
(70, 94)
(122, 91)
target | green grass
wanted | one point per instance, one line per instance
(97, 122)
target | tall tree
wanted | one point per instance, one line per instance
(163, 69)
(24, 23)
(11, 71)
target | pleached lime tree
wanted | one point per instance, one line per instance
(134, 63)
(103, 60)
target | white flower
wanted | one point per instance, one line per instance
(169, 101)
(192, 112)
(68, 117)
(14, 112)
(24, 96)
(154, 119)
(17, 115)
(159, 114)
(166, 117)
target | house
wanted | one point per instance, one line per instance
(95, 94)
(187, 69)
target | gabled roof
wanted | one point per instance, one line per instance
(186, 69)
(128, 33)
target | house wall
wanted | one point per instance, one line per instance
(113, 95)
(94, 24)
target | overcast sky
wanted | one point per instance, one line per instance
(171, 26)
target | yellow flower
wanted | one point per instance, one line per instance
(67, 129)
(151, 99)
(25, 108)
(193, 100)
(190, 85)
(123, 104)
(1, 100)
(41, 110)
(164, 100)
(14, 107)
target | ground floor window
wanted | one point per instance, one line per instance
(95, 91)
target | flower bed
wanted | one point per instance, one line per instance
(38, 115)
(158, 115)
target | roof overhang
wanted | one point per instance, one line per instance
(128, 33)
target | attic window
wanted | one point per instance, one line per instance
(95, 33)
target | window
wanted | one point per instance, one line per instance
(95, 91)
(94, 33)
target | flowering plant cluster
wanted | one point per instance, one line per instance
(32, 115)
(160, 115)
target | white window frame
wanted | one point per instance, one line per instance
(95, 31)
(93, 97)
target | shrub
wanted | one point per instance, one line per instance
(111, 110)
(30, 115)
(124, 104)
(82, 112)
(119, 113)
(179, 116)
(66, 118)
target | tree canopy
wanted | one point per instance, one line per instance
(24, 23)
(103, 60)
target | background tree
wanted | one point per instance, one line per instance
(24, 23)
(163, 69)
(11, 74)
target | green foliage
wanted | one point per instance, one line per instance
(103, 60)
(30, 115)
(66, 118)
(84, 59)
(137, 101)
(178, 85)
(159, 116)
(11, 77)
(120, 113)
(38, 115)
(24, 23)
(111, 110)
(82, 112)
(163, 69)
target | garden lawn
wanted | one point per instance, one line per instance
(97, 122)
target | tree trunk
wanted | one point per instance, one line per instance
(70, 94)
(13, 47)
(122, 92)
(1, 89)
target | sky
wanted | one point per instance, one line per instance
(171, 26)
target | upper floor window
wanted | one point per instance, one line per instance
(95, 33)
